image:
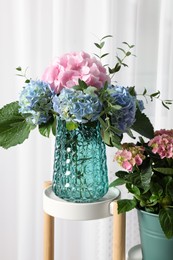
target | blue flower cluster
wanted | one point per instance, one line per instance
(77, 106)
(36, 101)
(124, 117)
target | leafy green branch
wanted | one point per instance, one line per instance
(120, 63)
(23, 73)
(100, 46)
(156, 95)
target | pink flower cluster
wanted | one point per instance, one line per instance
(65, 71)
(164, 131)
(130, 156)
(162, 143)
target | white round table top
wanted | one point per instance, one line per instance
(57, 207)
(135, 253)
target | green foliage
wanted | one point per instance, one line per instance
(45, 129)
(14, 128)
(156, 95)
(100, 46)
(151, 187)
(120, 60)
(71, 125)
(167, 171)
(142, 125)
(23, 73)
(125, 205)
(166, 221)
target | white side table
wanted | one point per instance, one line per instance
(107, 206)
(135, 253)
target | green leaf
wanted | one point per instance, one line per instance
(54, 126)
(115, 140)
(97, 55)
(122, 175)
(27, 81)
(156, 189)
(122, 50)
(102, 44)
(13, 126)
(119, 60)
(106, 137)
(163, 103)
(166, 171)
(144, 92)
(104, 55)
(169, 101)
(166, 221)
(71, 125)
(145, 175)
(90, 90)
(170, 189)
(117, 182)
(132, 178)
(77, 87)
(126, 205)
(82, 84)
(107, 36)
(97, 45)
(156, 94)
(124, 64)
(46, 128)
(143, 125)
(132, 91)
(128, 53)
(115, 69)
(133, 189)
(19, 68)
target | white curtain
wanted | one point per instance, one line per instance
(32, 32)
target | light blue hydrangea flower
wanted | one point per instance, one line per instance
(140, 105)
(36, 102)
(124, 117)
(77, 106)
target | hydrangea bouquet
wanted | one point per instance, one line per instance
(149, 177)
(77, 88)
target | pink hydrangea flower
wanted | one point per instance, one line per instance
(123, 157)
(130, 156)
(162, 143)
(67, 69)
(164, 131)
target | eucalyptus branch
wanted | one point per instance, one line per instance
(23, 74)
(100, 46)
(166, 103)
(120, 62)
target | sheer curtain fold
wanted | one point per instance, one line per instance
(32, 33)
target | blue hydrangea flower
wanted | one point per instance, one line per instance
(124, 117)
(141, 105)
(77, 106)
(36, 102)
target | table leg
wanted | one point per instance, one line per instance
(48, 233)
(118, 234)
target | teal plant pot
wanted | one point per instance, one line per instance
(80, 165)
(155, 246)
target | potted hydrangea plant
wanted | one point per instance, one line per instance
(148, 176)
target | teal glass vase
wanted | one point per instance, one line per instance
(80, 165)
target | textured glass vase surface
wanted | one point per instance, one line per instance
(80, 166)
(155, 246)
